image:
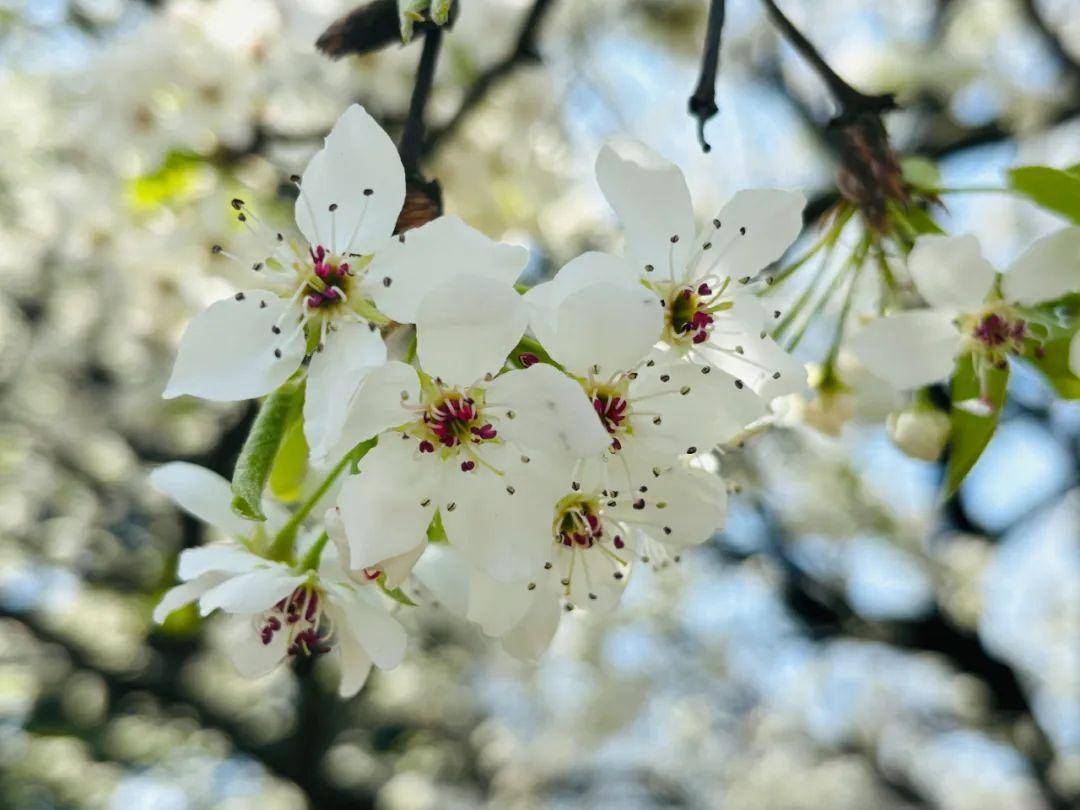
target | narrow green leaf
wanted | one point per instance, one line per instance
(291, 462)
(260, 448)
(1053, 363)
(1055, 190)
(971, 433)
(396, 594)
(921, 221)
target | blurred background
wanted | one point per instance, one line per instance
(843, 644)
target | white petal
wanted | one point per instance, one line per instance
(756, 227)
(377, 632)
(386, 509)
(650, 196)
(691, 503)
(713, 409)
(545, 299)
(445, 572)
(397, 569)
(606, 326)
(532, 636)
(1047, 270)
(552, 412)
(176, 598)
(357, 156)
(335, 529)
(467, 326)
(380, 404)
(496, 606)
(354, 662)
(227, 558)
(351, 352)
(405, 271)
(203, 493)
(249, 655)
(910, 349)
(253, 592)
(762, 365)
(950, 271)
(227, 351)
(501, 523)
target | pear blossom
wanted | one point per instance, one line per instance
(972, 310)
(489, 456)
(278, 611)
(601, 325)
(704, 278)
(312, 306)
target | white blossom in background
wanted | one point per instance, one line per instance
(314, 306)
(972, 310)
(278, 610)
(704, 278)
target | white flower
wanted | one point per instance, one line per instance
(491, 456)
(315, 306)
(280, 611)
(966, 315)
(920, 431)
(709, 311)
(600, 323)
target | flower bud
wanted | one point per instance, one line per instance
(919, 431)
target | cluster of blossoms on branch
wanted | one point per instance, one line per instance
(511, 453)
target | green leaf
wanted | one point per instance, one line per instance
(971, 433)
(291, 462)
(435, 531)
(396, 594)
(920, 172)
(1055, 190)
(260, 448)
(1053, 363)
(174, 180)
(921, 221)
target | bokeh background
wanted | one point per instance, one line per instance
(843, 644)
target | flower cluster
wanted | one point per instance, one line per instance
(523, 450)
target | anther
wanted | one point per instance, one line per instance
(387, 281)
(592, 595)
(618, 575)
(531, 586)
(674, 238)
(277, 353)
(649, 268)
(294, 178)
(665, 377)
(215, 249)
(275, 329)
(657, 420)
(667, 530)
(450, 507)
(239, 296)
(574, 485)
(691, 450)
(684, 390)
(333, 207)
(510, 490)
(776, 375)
(739, 384)
(742, 231)
(565, 582)
(368, 192)
(706, 369)
(547, 566)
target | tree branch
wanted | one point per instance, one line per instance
(366, 29)
(702, 104)
(524, 52)
(412, 138)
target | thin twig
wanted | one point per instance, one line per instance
(702, 103)
(412, 138)
(524, 51)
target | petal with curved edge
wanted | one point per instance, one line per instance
(203, 493)
(502, 523)
(531, 637)
(589, 268)
(950, 271)
(357, 158)
(678, 405)
(467, 326)
(249, 655)
(252, 592)
(386, 509)
(551, 412)
(354, 662)
(227, 558)
(682, 507)
(1047, 270)
(497, 606)
(756, 227)
(425, 257)
(606, 328)
(229, 352)
(380, 635)
(185, 593)
(650, 197)
(910, 349)
(444, 572)
(379, 404)
(352, 351)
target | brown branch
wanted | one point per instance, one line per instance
(410, 147)
(366, 29)
(702, 104)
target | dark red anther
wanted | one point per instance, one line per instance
(617, 542)
(427, 447)
(704, 289)
(312, 607)
(528, 359)
(466, 466)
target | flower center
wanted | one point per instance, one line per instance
(328, 281)
(579, 523)
(299, 616)
(996, 332)
(690, 311)
(452, 421)
(611, 403)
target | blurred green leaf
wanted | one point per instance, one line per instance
(1055, 190)
(260, 449)
(291, 462)
(970, 432)
(921, 221)
(175, 179)
(1053, 363)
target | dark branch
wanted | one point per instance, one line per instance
(850, 101)
(703, 103)
(412, 138)
(524, 51)
(365, 29)
(1051, 37)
